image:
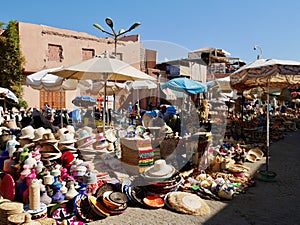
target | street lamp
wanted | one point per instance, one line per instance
(255, 48)
(115, 35)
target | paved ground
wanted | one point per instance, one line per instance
(276, 203)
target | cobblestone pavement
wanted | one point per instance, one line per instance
(276, 203)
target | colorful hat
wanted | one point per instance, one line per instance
(84, 139)
(27, 132)
(153, 201)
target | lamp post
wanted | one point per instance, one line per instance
(115, 35)
(255, 48)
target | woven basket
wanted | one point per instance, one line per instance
(9, 208)
(17, 219)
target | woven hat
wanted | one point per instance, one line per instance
(50, 152)
(66, 138)
(258, 154)
(160, 169)
(60, 132)
(26, 143)
(48, 138)
(84, 139)
(39, 132)
(89, 178)
(27, 133)
(187, 203)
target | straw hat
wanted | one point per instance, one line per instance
(256, 152)
(27, 132)
(39, 132)
(160, 169)
(85, 139)
(187, 203)
(48, 138)
(60, 132)
(50, 152)
(66, 138)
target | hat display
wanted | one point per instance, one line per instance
(160, 169)
(27, 132)
(188, 203)
(11, 124)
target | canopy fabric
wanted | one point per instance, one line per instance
(102, 68)
(111, 87)
(45, 80)
(84, 101)
(223, 84)
(140, 84)
(8, 94)
(278, 73)
(185, 85)
(173, 95)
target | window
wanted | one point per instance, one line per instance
(55, 53)
(87, 53)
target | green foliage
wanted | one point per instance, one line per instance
(22, 103)
(11, 60)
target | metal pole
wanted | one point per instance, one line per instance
(268, 126)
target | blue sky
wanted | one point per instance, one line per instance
(174, 27)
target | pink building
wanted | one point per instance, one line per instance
(47, 47)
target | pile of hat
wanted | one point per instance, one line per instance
(137, 152)
(152, 185)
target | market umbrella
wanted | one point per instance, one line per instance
(84, 101)
(44, 79)
(140, 85)
(185, 85)
(7, 94)
(267, 73)
(103, 69)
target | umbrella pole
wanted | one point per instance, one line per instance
(61, 117)
(268, 127)
(104, 108)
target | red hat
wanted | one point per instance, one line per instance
(66, 159)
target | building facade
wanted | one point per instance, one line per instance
(47, 47)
